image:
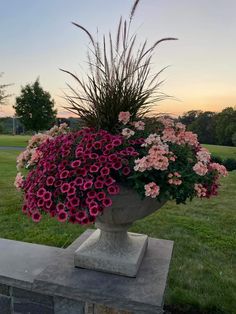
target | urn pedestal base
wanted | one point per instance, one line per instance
(117, 251)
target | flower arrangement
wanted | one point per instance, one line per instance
(74, 175)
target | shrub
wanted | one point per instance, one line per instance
(230, 164)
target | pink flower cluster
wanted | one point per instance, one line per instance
(152, 189)
(219, 168)
(200, 168)
(31, 155)
(19, 181)
(174, 178)
(76, 176)
(124, 117)
(200, 190)
(159, 154)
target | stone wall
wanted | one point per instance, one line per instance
(37, 279)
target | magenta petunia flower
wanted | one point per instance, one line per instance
(41, 192)
(71, 191)
(117, 142)
(24, 208)
(60, 206)
(50, 180)
(64, 174)
(91, 194)
(47, 196)
(72, 219)
(103, 159)
(126, 171)
(112, 157)
(98, 184)
(88, 184)
(57, 183)
(40, 202)
(80, 215)
(117, 165)
(97, 145)
(109, 181)
(94, 168)
(113, 189)
(93, 210)
(93, 156)
(109, 146)
(79, 181)
(105, 171)
(107, 202)
(101, 195)
(62, 216)
(48, 204)
(75, 201)
(36, 216)
(75, 163)
(65, 187)
(82, 172)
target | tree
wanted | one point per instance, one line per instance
(204, 126)
(34, 107)
(189, 117)
(226, 126)
(3, 95)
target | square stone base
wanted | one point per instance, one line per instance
(143, 294)
(122, 260)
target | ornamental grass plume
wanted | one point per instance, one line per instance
(119, 78)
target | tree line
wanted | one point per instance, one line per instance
(218, 128)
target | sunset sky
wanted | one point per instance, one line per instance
(37, 38)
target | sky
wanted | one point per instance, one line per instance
(37, 38)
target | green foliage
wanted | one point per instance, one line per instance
(189, 117)
(119, 79)
(204, 125)
(226, 126)
(234, 139)
(34, 107)
(230, 164)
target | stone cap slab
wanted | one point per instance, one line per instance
(143, 294)
(21, 262)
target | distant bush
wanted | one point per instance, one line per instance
(234, 139)
(218, 159)
(230, 164)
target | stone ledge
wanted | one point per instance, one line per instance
(22, 262)
(143, 294)
(42, 279)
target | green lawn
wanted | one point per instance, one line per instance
(201, 278)
(14, 140)
(222, 151)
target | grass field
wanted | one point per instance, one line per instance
(222, 151)
(14, 140)
(201, 278)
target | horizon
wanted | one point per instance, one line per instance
(38, 39)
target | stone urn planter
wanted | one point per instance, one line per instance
(111, 248)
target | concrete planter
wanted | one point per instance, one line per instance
(111, 248)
